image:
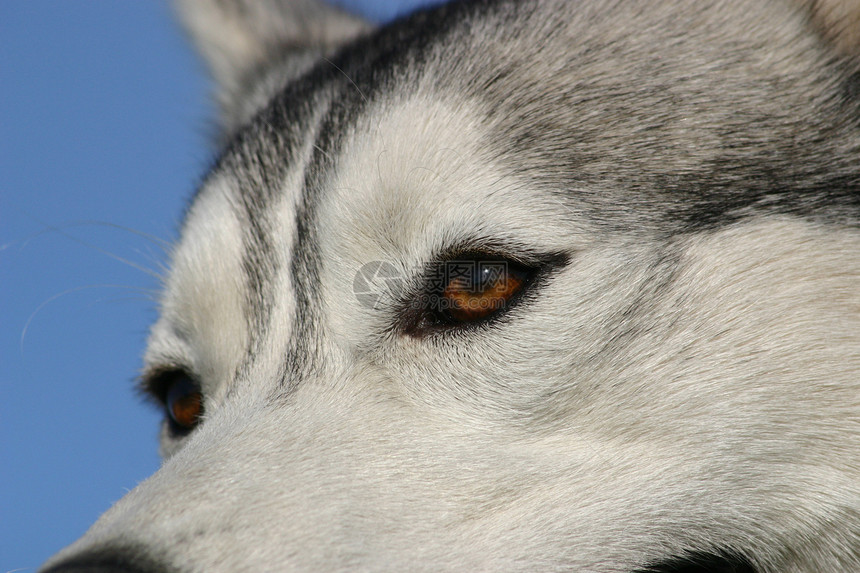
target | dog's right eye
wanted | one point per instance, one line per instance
(474, 287)
(484, 289)
(184, 402)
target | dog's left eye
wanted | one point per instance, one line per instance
(184, 402)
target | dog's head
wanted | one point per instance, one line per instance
(512, 286)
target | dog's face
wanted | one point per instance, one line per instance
(512, 287)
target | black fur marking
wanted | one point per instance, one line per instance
(260, 157)
(701, 563)
(113, 559)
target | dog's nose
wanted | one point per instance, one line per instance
(110, 560)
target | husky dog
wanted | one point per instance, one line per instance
(513, 286)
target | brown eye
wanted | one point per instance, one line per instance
(476, 289)
(184, 403)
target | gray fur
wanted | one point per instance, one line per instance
(678, 389)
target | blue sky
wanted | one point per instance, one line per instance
(104, 114)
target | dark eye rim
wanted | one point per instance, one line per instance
(417, 319)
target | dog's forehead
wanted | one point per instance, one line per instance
(460, 110)
(360, 161)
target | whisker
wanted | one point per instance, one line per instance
(51, 299)
(112, 255)
(361, 93)
(335, 66)
(164, 244)
(321, 150)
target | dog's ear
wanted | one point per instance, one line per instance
(839, 22)
(241, 39)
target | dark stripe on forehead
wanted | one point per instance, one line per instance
(258, 160)
(261, 158)
(304, 345)
(305, 354)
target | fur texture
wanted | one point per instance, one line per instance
(677, 387)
